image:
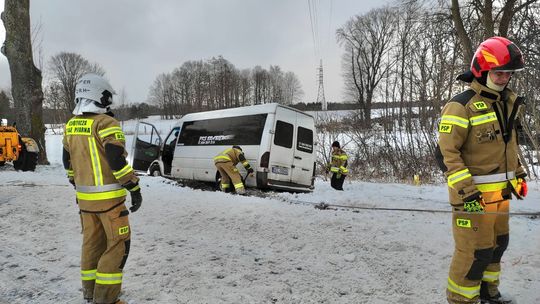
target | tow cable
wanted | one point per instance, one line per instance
(326, 206)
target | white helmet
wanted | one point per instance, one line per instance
(93, 94)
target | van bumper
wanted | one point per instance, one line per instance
(264, 183)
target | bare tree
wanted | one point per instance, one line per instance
(217, 83)
(367, 40)
(66, 69)
(261, 81)
(245, 86)
(495, 18)
(276, 84)
(160, 94)
(292, 89)
(54, 102)
(5, 107)
(25, 77)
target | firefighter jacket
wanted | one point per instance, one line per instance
(232, 155)
(338, 164)
(478, 142)
(95, 159)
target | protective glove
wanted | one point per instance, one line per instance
(250, 170)
(474, 204)
(521, 187)
(136, 200)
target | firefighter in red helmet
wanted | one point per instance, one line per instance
(479, 155)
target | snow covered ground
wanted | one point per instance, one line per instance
(193, 246)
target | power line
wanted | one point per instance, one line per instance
(311, 17)
(330, 23)
(317, 29)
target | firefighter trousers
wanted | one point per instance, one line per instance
(337, 181)
(230, 173)
(480, 242)
(105, 248)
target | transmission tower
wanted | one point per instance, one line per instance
(320, 94)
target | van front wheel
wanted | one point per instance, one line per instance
(154, 170)
(217, 185)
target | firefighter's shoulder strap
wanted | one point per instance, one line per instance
(462, 98)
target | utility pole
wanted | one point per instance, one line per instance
(320, 94)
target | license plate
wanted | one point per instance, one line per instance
(280, 170)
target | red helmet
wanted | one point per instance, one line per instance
(496, 53)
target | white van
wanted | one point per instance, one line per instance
(278, 141)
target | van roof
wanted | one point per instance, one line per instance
(240, 111)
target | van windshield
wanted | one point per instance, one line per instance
(240, 130)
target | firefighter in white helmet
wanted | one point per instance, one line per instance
(95, 159)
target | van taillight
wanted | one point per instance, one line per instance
(265, 159)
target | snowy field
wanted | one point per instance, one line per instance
(193, 246)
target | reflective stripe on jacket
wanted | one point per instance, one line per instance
(338, 164)
(232, 155)
(98, 186)
(477, 140)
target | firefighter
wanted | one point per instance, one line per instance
(479, 153)
(226, 163)
(338, 166)
(94, 157)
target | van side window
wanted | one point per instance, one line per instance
(238, 130)
(304, 142)
(171, 138)
(284, 134)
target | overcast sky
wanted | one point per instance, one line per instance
(136, 40)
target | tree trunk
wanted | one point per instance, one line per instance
(466, 43)
(25, 77)
(507, 15)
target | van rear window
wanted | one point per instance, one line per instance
(304, 142)
(240, 130)
(284, 134)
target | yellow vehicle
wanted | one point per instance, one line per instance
(21, 151)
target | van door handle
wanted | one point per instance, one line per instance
(297, 157)
(293, 166)
(304, 169)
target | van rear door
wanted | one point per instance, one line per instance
(145, 147)
(303, 158)
(282, 146)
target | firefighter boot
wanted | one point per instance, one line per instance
(497, 299)
(486, 297)
(117, 302)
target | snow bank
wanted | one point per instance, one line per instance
(193, 246)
